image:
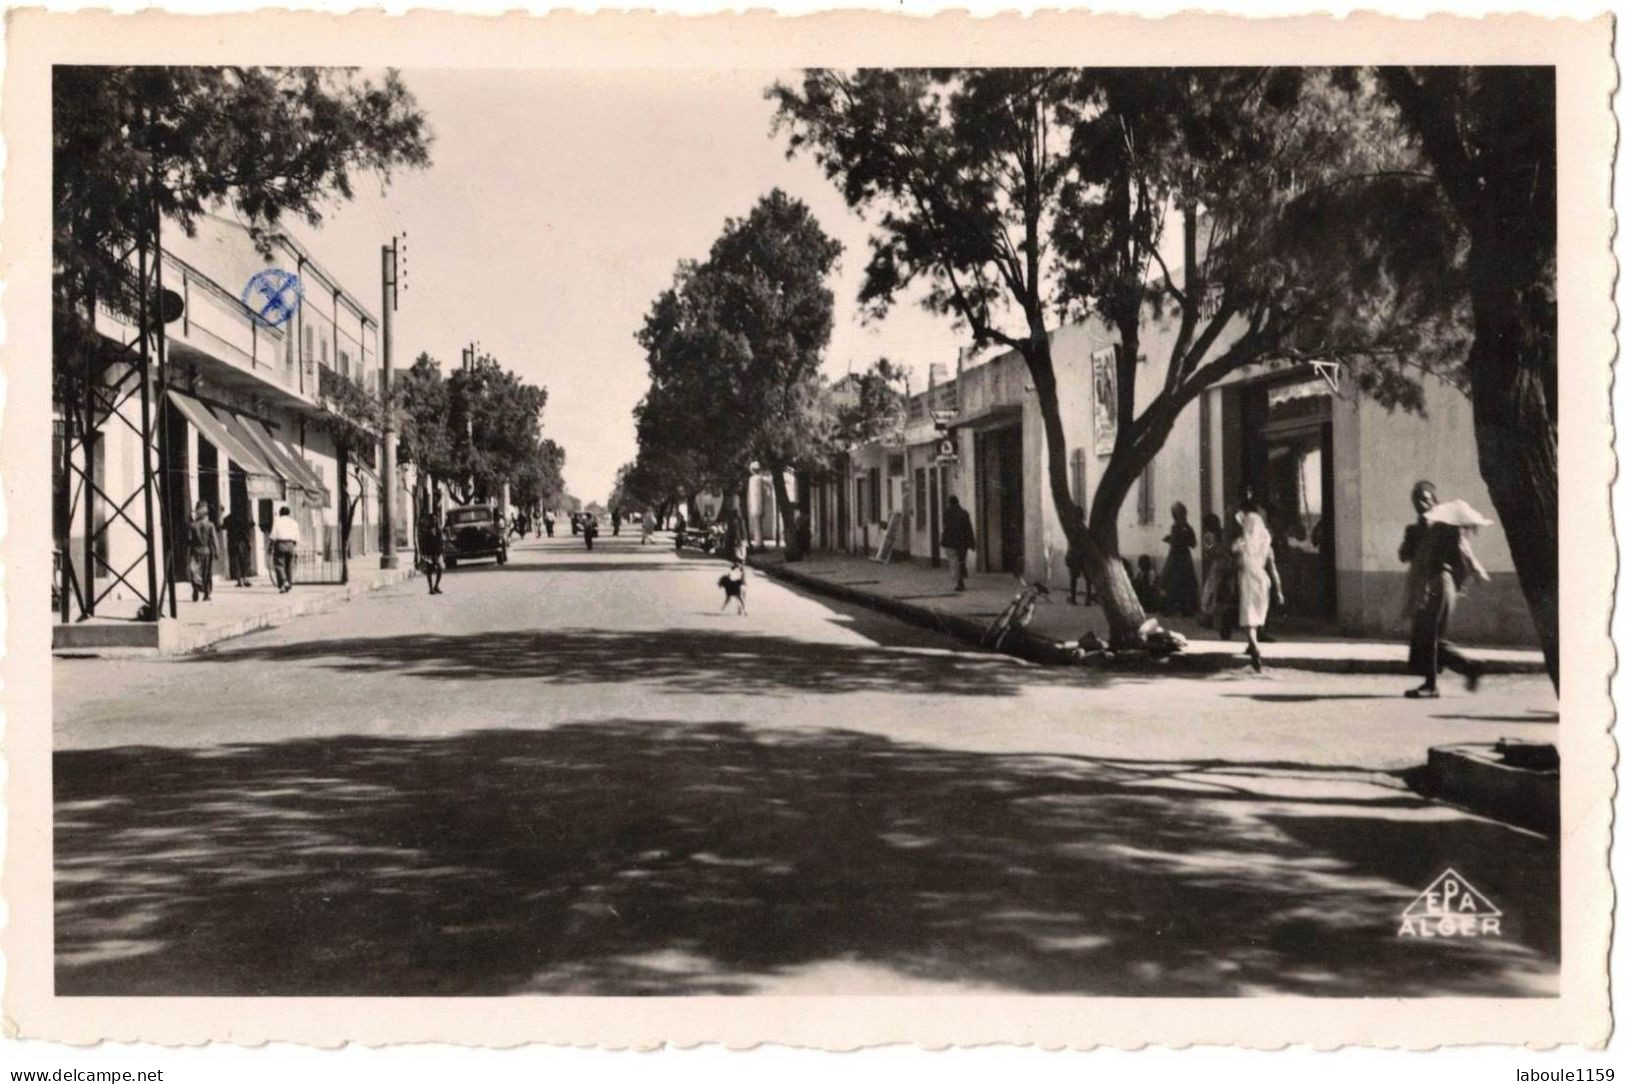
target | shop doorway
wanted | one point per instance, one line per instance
(1282, 443)
(1000, 512)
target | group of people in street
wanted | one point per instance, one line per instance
(1240, 578)
(203, 549)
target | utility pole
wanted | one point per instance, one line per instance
(387, 557)
(469, 353)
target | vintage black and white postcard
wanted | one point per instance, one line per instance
(618, 529)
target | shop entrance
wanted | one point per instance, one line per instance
(1279, 450)
(1000, 513)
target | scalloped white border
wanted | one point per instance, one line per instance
(616, 40)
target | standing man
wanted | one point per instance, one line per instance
(547, 521)
(202, 549)
(958, 538)
(239, 545)
(589, 527)
(1442, 564)
(284, 547)
(432, 551)
(615, 521)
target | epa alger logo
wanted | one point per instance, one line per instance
(1450, 907)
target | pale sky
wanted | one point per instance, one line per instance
(557, 207)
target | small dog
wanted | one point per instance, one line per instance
(732, 583)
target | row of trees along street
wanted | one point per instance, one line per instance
(1396, 221)
(475, 430)
(734, 349)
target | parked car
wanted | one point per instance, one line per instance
(472, 532)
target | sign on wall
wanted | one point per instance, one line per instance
(1105, 385)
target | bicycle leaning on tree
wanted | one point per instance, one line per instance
(1016, 616)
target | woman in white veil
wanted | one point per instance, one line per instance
(1256, 577)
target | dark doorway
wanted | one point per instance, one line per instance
(208, 477)
(1001, 514)
(177, 490)
(934, 476)
(1283, 449)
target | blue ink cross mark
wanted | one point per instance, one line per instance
(272, 296)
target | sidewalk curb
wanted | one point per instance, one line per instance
(174, 638)
(1047, 652)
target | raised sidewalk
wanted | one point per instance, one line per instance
(232, 611)
(924, 596)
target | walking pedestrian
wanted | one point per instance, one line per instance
(1180, 593)
(589, 527)
(239, 545)
(201, 548)
(958, 538)
(648, 527)
(284, 547)
(615, 522)
(1442, 563)
(432, 552)
(547, 521)
(1256, 577)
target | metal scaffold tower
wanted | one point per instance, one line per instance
(99, 385)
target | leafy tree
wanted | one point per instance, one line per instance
(1490, 135)
(734, 349)
(475, 430)
(353, 416)
(1018, 199)
(539, 480)
(868, 406)
(422, 406)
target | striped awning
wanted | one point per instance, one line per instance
(299, 472)
(263, 476)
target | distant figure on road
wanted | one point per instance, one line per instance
(432, 552)
(1256, 577)
(1442, 562)
(284, 547)
(547, 521)
(648, 527)
(958, 538)
(589, 527)
(1180, 594)
(239, 545)
(615, 522)
(201, 550)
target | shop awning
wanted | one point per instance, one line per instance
(290, 462)
(263, 478)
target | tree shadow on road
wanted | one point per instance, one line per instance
(657, 857)
(691, 659)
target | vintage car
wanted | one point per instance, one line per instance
(472, 532)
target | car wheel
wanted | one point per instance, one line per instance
(502, 557)
(451, 563)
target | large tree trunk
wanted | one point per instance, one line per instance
(1515, 421)
(1096, 541)
(787, 515)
